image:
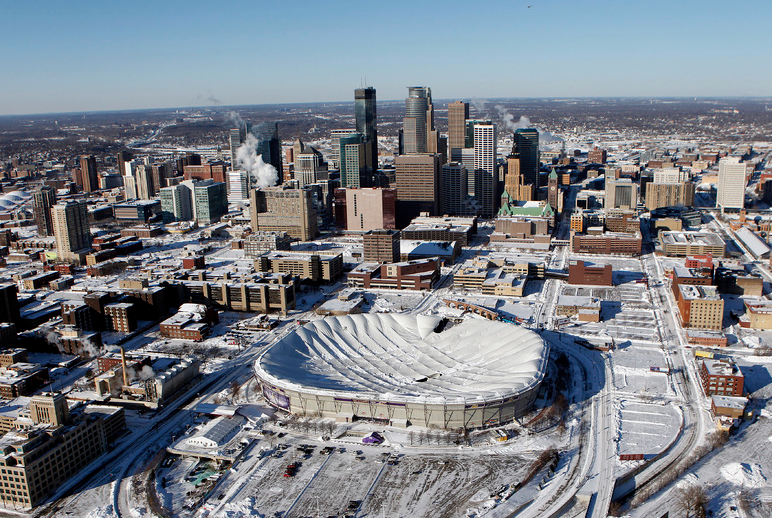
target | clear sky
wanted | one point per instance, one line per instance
(58, 56)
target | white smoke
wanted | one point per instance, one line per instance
(89, 347)
(146, 373)
(264, 175)
(479, 105)
(234, 117)
(524, 122)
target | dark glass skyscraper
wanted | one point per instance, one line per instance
(366, 116)
(527, 142)
(268, 143)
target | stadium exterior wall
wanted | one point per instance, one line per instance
(440, 415)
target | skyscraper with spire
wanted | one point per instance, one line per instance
(418, 124)
(366, 119)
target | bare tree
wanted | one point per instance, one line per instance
(411, 437)
(235, 390)
(692, 500)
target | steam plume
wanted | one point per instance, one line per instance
(524, 122)
(264, 175)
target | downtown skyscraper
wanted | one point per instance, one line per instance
(526, 141)
(485, 174)
(418, 124)
(458, 113)
(366, 120)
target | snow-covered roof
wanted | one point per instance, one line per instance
(217, 432)
(399, 357)
(757, 247)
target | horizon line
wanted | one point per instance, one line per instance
(482, 99)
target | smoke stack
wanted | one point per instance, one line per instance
(123, 366)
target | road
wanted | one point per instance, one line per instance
(684, 379)
(174, 418)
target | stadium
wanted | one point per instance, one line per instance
(405, 370)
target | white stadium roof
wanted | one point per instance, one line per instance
(399, 357)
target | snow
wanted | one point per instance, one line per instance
(242, 508)
(398, 356)
(744, 475)
(102, 512)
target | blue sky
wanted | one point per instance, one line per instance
(86, 55)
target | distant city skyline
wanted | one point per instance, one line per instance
(81, 56)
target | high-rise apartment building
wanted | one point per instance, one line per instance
(731, 184)
(71, 228)
(122, 158)
(670, 175)
(176, 203)
(455, 186)
(143, 180)
(485, 176)
(418, 124)
(88, 172)
(42, 201)
(669, 194)
(417, 183)
(526, 141)
(211, 201)
(458, 113)
(366, 119)
(276, 209)
(621, 193)
(160, 172)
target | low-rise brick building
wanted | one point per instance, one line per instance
(409, 275)
(721, 378)
(580, 272)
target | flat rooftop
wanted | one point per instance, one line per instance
(573, 300)
(691, 238)
(690, 292)
(722, 368)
